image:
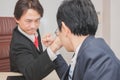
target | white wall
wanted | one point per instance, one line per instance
(7, 7)
(48, 23)
(115, 26)
(99, 8)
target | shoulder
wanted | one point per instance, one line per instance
(93, 50)
(19, 40)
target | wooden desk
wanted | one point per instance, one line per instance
(4, 75)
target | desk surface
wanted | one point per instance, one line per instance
(10, 74)
(4, 75)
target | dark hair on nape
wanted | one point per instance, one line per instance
(79, 15)
(23, 5)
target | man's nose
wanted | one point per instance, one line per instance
(33, 25)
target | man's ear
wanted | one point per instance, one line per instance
(16, 20)
(65, 28)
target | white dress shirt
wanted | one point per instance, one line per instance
(73, 62)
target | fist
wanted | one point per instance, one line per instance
(47, 40)
(56, 45)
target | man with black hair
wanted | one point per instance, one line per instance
(93, 59)
(26, 53)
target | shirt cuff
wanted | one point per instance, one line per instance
(52, 55)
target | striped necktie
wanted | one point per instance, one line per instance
(69, 75)
(71, 69)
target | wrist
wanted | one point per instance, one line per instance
(54, 48)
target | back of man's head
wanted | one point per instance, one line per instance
(79, 15)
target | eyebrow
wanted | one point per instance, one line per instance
(31, 19)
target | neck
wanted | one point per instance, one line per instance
(77, 40)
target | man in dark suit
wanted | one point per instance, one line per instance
(93, 59)
(26, 53)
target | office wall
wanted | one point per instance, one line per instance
(115, 26)
(7, 7)
(99, 8)
(111, 22)
(48, 22)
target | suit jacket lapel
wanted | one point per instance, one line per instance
(39, 41)
(32, 44)
(65, 75)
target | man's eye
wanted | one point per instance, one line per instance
(28, 21)
(37, 20)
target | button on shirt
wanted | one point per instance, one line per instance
(73, 63)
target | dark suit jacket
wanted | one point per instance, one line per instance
(34, 64)
(95, 61)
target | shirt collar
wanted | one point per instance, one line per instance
(31, 37)
(76, 52)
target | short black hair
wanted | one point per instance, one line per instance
(23, 5)
(79, 15)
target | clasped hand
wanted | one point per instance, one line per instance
(54, 43)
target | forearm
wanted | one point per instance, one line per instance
(41, 67)
(61, 65)
(35, 68)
